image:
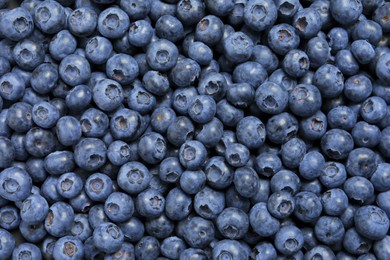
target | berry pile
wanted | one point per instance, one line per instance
(195, 129)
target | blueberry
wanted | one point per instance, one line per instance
(373, 109)
(74, 70)
(263, 55)
(169, 27)
(281, 127)
(361, 162)
(69, 185)
(162, 55)
(329, 80)
(228, 114)
(28, 54)
(82, 21)
(359, 190)
(78, 98)
(296, 63)
(68, 130)
(306, 23)
(150, 203)
(68, 247)
(209, 203)
(160, 227)
(311, 165)
(229, 248)
(379, 177)
(262, 222)
(193, 253)
(59, 220)
(113, 22)
(80, 227)
(318, 51)
(281, 204)
(237, 155)
(7, 242)
(334, 201)
(283, 38)
(260, 15)
(133, 229)
(271, 98)
(15, 183)
(371, 222)
(34, 210)
(90, 154)
(98, 187)
(119, 207)
(355, 243)
(94, 123)
(9, 217)
(289, 240)
(7, 151)
(126, 249)
(108, 237)
(192, 181)
(329, 230)
(177, 205)
(147, 248)
(209, 30)
(62, 45)
(337, 143)
(333, 174)
(98, 50)
(246, 181)
(26, 250)
(346, 12)
(308, 207)
(381, 248)
(346, 62)
(285, 180)
(365, 134)
(267, 164)
(123, 68)
(49, 17)
(18, 24)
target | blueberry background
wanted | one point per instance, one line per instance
(263, 136)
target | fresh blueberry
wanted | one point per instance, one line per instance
(7, 244)
(296, 63)
(147, 248)
(74, 70)
(371, 222)
(260, 15)
(119, 207)
(108, 237)
(90, 154)
(262, 222)
(68, 130)
(34, 210)
(98, 50)
(337, 144)
(98, 187)
(329, 230)
(209, 203)
(15, 184)
(333, 174)
(113, 22)
(94, 122)
(359, 189)
(68, 247)
(26, 250)
(281, 127)
(59, 220)
(306, 22)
